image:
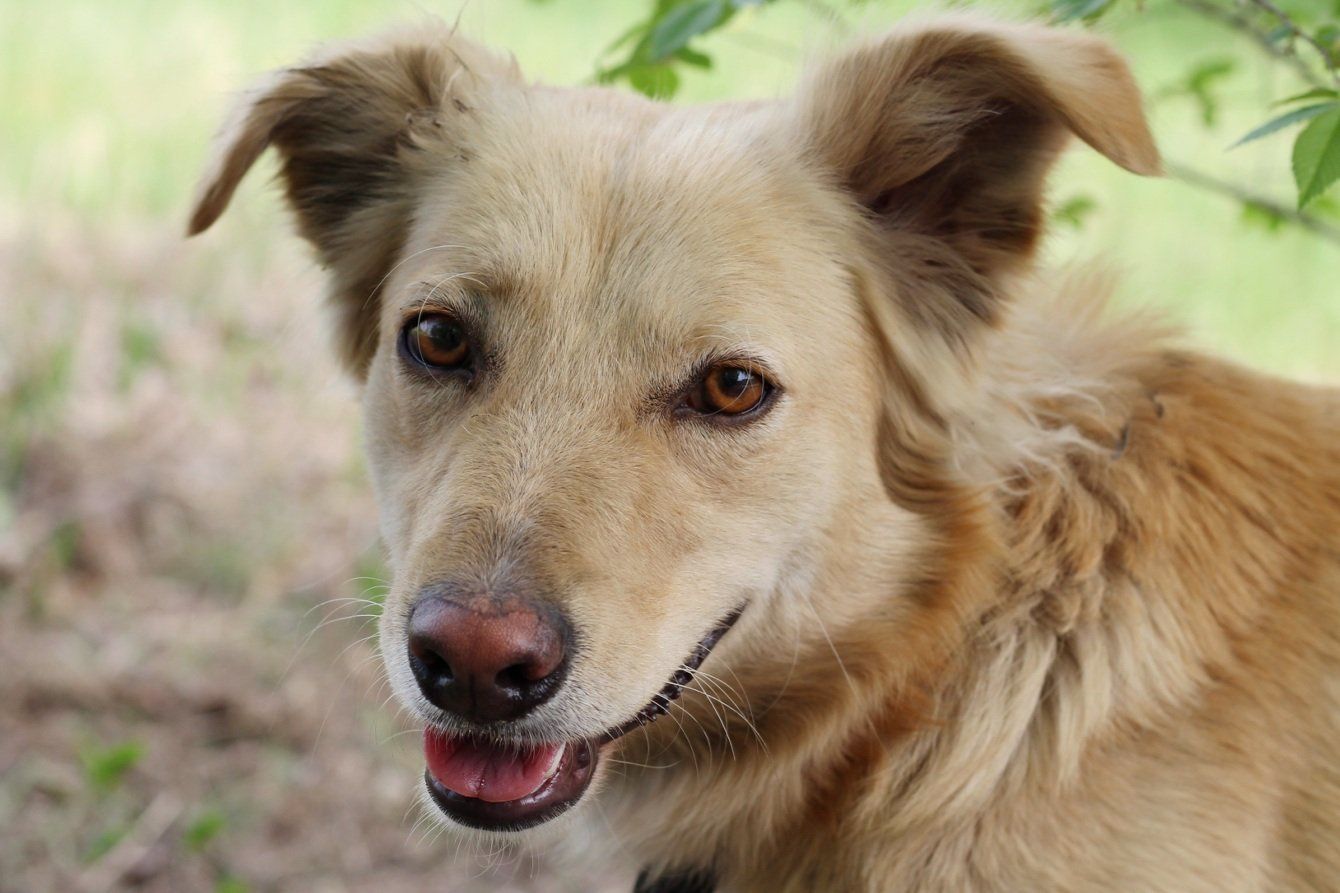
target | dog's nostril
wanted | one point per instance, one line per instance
(435, 665)
(514, 678)
(426, 659)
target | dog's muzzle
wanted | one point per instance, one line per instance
(496, 785)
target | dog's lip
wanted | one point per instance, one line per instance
(564, 787)
(660, 703)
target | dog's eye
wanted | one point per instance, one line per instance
(438, 341)
(729, 390)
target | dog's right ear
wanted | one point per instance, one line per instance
(352, 128)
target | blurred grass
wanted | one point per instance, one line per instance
(182, 503)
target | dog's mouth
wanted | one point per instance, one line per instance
(497, 786)
(503, 788)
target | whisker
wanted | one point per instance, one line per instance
(730, 705)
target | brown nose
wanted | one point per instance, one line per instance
(486, 658)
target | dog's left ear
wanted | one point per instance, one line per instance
(944, 133)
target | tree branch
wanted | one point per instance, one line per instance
(1302, 35)
(1245, 26)
(1319, 227)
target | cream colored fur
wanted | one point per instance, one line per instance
(1035, 599)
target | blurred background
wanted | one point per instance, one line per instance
(189, 571)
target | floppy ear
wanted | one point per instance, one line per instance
(944, 133)
(354, 129)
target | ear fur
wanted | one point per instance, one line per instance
(349, 127)
(943, 132)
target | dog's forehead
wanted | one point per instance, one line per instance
(601, 206)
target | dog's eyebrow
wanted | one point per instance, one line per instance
(485, 281)
(451, 282)
(428, 293)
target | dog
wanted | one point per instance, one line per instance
(760, 511)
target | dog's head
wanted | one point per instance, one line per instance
(634, 372)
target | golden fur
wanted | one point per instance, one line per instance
(1036, 600)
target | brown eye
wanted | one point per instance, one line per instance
(729, 390)
(437, 340)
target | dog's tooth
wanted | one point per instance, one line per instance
(555, 762)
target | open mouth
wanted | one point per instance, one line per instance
(494, 786)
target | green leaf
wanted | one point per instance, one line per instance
(635, 32)
(1073, 211)
(1325, 205)
(1209, 71)
(694, 58)
(1279, 33)
(230, 884)
(1316, 156)
(610, 75)
(1317, 93)
(1261, 216)
(105, 768)
(657, 81)
(1072, 10)
(1307, 112)
(1200, 82)
(1329, 37)
(683, 23)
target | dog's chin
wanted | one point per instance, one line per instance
(492, 784)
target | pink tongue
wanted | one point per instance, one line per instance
(486, 771)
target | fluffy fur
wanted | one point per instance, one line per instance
(1036, 599)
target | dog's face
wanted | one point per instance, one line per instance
(604, 386)
(632, 372)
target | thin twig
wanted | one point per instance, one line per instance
(149, 828)
(1328, 231)
(1302, 35)
(1226, 16)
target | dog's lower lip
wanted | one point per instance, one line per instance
(576, 767)
(559, 791)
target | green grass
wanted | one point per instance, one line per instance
(107, 110)
(106, 767)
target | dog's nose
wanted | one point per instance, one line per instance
(487, 658)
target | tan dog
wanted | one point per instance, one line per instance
(1003, 596)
